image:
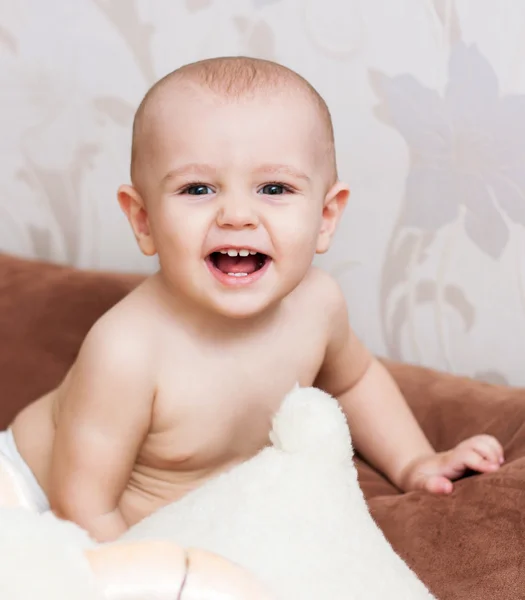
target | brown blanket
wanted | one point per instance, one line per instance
(471, 544)
(468, 546)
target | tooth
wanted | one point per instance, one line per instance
(237, 274)
(244, 252)
(224, 252)
(252, 252)
(232, 252)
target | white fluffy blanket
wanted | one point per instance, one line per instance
(294, 515)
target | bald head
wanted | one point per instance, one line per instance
(231, 79)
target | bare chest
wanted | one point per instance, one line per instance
(214, 406)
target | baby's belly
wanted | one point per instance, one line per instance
(150, 488)
(177, 460)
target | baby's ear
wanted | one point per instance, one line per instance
(134, 208)
(333, 206)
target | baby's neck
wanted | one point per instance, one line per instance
(210, 323)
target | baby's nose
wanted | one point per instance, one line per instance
(237, 213)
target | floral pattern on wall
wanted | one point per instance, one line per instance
(428, 101)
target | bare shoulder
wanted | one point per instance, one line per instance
(114, 368)
(121, 338)
(320, 299)
(320, 287)
(346, 358)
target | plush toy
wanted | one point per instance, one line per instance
(294, 515)
(45, 558)
(290, 523)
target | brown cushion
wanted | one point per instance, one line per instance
(45, 312)
(466, 546)
(471, 544)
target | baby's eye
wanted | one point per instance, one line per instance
(198, 190)
(274, 189)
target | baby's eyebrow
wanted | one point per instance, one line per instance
(189, 169)
(204, 170)
(283, 169)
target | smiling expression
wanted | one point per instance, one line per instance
(233, 197)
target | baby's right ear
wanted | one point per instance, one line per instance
(134, 208)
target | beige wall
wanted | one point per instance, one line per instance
(429, 108)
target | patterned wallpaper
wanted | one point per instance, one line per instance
(428, 101)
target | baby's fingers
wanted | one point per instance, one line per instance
(487, 446)
(437, 484)
(476, 461)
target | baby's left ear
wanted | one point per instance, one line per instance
(333, 206)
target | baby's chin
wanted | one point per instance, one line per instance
(243, 307)
(253, 303)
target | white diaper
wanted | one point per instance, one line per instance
(8, 449)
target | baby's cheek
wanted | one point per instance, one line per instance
(179, 232)
(297, 236)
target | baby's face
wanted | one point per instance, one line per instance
(234, 195)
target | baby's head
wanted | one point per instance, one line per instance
(234, 182)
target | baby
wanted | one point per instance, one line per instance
(235, 188)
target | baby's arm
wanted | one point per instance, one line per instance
(384, 430)
(105, 414)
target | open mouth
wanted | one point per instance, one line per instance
(238, 263)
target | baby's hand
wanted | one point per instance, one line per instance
(482, 453)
